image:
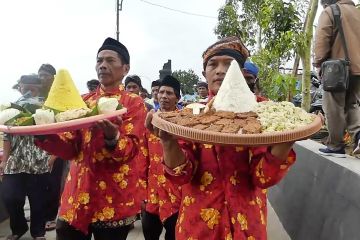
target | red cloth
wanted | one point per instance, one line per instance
(102, 184)
(224, 191)
(163, 197)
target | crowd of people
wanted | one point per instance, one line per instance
(124, 170)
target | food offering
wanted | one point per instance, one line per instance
(234, 117)
(64, 110)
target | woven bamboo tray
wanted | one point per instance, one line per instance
(203, 136)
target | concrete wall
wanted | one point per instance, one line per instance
(320, 197)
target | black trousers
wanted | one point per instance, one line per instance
(15, 188)
(64, 231)
(152, 226)
(54, 190)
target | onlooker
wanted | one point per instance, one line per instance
(341, 108)
(163, 198)
(155, 85)
(223, 187)
(251, 71)
(144, 94)
(133, 85)
(46, 73)
(25, 168)
(202, 91)
(101, 195)
(92, 84)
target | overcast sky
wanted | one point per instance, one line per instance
(68, 33)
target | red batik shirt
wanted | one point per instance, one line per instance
(102, 184)
(224, 191)
(163, 197)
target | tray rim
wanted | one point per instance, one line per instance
(54, 128)
(203, 136)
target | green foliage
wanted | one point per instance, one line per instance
(274, 84)
(277, 28)
(188, 80)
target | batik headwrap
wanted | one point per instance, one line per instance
(230, 46)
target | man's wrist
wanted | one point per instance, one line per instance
(112, 142)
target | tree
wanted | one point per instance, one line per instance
(278, 28)
(305, 53)
(188, 80)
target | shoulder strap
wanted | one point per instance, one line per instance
(337, 13)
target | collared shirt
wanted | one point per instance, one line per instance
(102, 184)
(25, 157)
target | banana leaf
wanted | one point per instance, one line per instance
(22, 119)
(94, 112)
(119, 107)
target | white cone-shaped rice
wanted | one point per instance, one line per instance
(234, 94)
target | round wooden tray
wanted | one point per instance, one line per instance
(203, 136)
(59, 127)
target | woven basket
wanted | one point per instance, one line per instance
(203, 136)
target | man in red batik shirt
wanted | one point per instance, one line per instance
(163, 198)
(223, 187)
(100, 195)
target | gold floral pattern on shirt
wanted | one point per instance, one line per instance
(144, 151)
(155, 158)
(84, 198)
(153, 138)
(69, 216)
(188, 200)
(233, 179)
(129, 128)
(70, 200)
(142, 183)
(102, 185)
(122, 144)
(242, 219)
(211, 216)
(172, 197)
(109, 199)
(206, 180)
(228, 237)
(260, 172)
(239, 149)
(87, 136)
(124, 169)
(250, 238)
(262, 218)
(161, 179)
(208, 146)
(154, 199)
(107, 213)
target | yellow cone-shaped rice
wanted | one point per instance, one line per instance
(63, 94)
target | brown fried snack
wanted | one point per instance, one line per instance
(167, 115)
(187, 122)
(240, 122)
(225, 114)
(252, 127)
(207, 119)
(173, 119)
(233, 128)
(246, 115)
(215, 128)
(200, 126)
(186, 112)
(224, 121)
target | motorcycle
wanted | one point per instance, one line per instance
(316, 92)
